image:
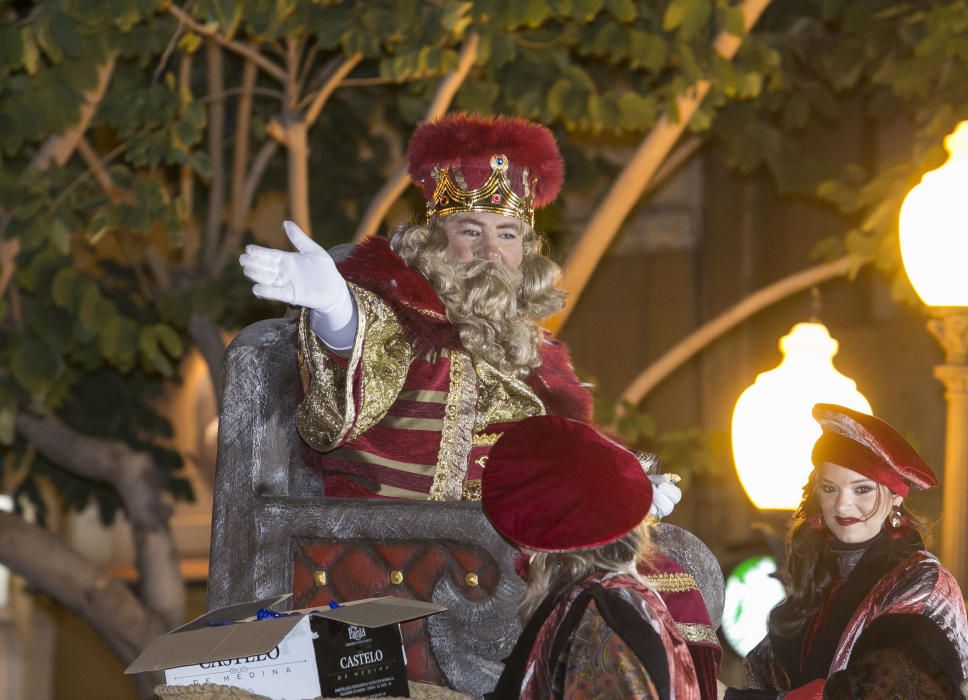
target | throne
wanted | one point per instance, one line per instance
(275, 531)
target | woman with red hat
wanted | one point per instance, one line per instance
(577, 502)
(870, 613)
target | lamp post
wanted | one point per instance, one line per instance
(934, 246)
(773, 425)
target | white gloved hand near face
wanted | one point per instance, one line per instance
(306, 278)
(665, 494)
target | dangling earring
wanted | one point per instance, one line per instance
(896, 518)
(815, 523)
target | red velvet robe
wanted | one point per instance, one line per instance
(896, 627)
(411, 414)
(602, 653)
(685, 603)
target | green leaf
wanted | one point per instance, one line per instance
(109, 338)
(734, 22)
(622, 10)
(88, 310)
(558, 97)
(647, 50)
(477, 95)
(46, 40)
(63, 30)
(190, 42)
(33, 364)
(688, 16)
(62, 289)
(638, 112)
(6, 426)
(586, 9)
(456, 17)
(750, 85)
(796, 112)
(529, 13)
(169, 339)
(53, 325)
(31, 54)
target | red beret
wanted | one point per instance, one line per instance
(468, 149)
(554, 484)
(869, 446)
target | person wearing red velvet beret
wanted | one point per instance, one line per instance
(577, 502)
(870, 613)
(418, 352)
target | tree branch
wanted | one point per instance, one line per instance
(186, 176)
(243, 49)
(394, 187)
(237, 208)
(8, 264)
(256, 171)
(59, 147)
(628, 187)
(295, 132)
(319, 100)
(158, 267)
(686, 348)
(96, 597)
(138, 484)
(216, 125)
(100, 173)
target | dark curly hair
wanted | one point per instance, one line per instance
(809, 574)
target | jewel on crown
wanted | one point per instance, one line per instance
(495, 195)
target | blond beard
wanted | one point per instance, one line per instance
(481, 298)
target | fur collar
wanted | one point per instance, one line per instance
(374, 266)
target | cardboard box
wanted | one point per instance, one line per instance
(355, 649)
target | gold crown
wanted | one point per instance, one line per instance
(451, 195)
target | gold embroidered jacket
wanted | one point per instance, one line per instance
(410, 414)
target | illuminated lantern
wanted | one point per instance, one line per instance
(933, 234)
(773, 429)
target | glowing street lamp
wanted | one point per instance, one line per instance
(933, 231)
(773, 429)
(934, 246)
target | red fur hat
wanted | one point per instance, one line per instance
(553, 484)
(455, 157)
(869, 446)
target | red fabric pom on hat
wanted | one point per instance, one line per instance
(556, 485)
(467, 143)
(869, 446)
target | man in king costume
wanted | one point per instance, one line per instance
(417, 353)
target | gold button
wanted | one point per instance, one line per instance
(471, 579)
(396, 577)
(320, 578)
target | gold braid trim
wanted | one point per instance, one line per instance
(472, 490)
(697, 632)
(328, 416)
(671, 583)
(324, 416)
(455, 436)
(384, 360)
(503, 398)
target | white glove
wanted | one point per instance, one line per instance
(306, 278)
(665, 494)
